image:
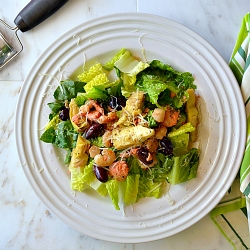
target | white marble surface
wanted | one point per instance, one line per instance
(25, 223)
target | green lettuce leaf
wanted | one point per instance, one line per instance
(131, 191)
(184, 80)
(82, 178)
(97, 141)
(96, 77)
(184, 168)
(129, 67)
(101, 79)
(65, 135)
(76, 180)
(180, 144)
(115, 89)
(96, 93)
(113, 191)
(99, 187)
(151, 121)
(56, 106)
(149, 188)
(90, 74)
(68, 90)
(80, 99)
(53, 122)
(48, 135)
(60, 133)
(185, 128)
(159, 80)
(67, 157)
(110, 64)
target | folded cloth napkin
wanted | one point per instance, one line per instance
(239, 64)
(232, 215)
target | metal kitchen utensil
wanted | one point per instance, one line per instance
(35, 12)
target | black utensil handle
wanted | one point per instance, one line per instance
(35, 12)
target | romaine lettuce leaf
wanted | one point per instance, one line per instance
(180, 138)
(99, 187)
(128, 84)
(67, 157)
(185, 128)
(96, 93)
(100, 79)
(90, 74)
(81, 178)
(158, 79)
(160, 171)
(153, 88)
(113, 191)
(184, 80)
(180, 144)
(115, 89)
(110, 64)
(97, 77)
(131, 190)
(149, 188)
(76, 180)
(134, 166)
(80, 99)
(184, 168)
(129, 65)
(129, 68)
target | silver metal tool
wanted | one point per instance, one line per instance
(35, 12)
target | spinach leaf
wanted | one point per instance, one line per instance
(66, 136)
(68, 90)
(49, 135)
(56, 106)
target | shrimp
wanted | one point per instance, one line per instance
(79, 119)
(91, 110)
(171, 117)
(106, 158)
(119, 170)
(158, 114)
(89, 105)
(93, 151)
(110, 117)
(106, 138)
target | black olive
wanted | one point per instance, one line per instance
(94, 130)
(64, 114)
(166, 146)
(100, 173)
(117, 102)
(143, 154)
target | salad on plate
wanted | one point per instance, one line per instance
(130, 137)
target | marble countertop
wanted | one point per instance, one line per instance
(25, 222)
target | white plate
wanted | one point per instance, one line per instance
(222, 129)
